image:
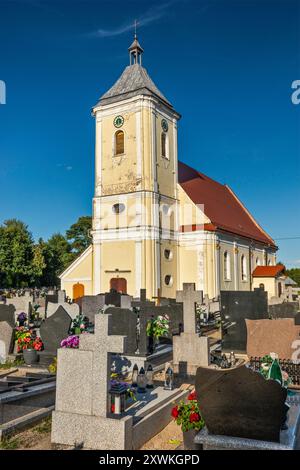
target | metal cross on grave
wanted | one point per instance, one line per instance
(105, 344)
(189, 297)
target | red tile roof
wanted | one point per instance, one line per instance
(221, 206)
(268, 271)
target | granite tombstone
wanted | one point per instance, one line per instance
(54, 329)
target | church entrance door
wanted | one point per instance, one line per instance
(78, 291)
(119, 284)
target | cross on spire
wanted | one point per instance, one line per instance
(135, 50)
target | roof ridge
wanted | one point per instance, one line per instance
(250, 215)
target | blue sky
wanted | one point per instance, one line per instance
(226, 65)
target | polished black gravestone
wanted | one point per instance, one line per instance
(236, 307)
(241, 403)
(124, 323)
(284, 310)
(54, 329)
(7, 313)
(90, 305)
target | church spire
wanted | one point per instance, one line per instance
(135, 50)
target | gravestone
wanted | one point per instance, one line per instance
(88, 406)
(54, 329)
(7, 313)
(284, 310)
(6, 340)
(189, 349)
(241, 403)
(90, 305)
(280, 336)
(148, 311)
(113, 298)
(21, 304)
(126, 301)
(72, 309)
(236, 307)
(123, 323)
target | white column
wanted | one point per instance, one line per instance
(154, 147)
(217, 266)
(98, 156)
(138, 267)
(138, 144)
(235, 266)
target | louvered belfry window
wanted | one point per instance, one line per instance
(119, 143)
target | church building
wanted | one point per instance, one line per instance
(157, 222)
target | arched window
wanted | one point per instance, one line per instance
(119, 143)
(227, 270)
(244, 267)
(164, 149)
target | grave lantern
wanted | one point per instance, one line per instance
(149, 376)
(141, 381)
(135, 372)
(169, 379)
(118, 392)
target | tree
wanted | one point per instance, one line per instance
(79, 234)
(294, 274)
(58, 255)
(16, 253)
(38, 264)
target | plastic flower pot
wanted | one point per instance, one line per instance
(188, 440)
(30, 356)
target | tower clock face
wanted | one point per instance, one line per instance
(164, 125)
(118, 121)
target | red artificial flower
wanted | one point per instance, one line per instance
(194, 417)
(113, 408)
(175, 412)
(192, 395)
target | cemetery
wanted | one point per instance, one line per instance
(147, 365)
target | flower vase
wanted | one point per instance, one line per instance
(30, 356)
(188, 440)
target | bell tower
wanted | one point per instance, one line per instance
(135, 201)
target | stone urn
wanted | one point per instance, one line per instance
(30, 356)
(188, 440)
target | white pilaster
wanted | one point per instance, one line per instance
(98, 156)
(138, 267)
(96, 267)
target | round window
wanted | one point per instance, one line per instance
(168, 280)
(168, 254)
(118, 208)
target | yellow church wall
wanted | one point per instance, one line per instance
(269, 285)
(169, 267)
(80, 272)
(189, 212)
(188, 264)
(118, 255)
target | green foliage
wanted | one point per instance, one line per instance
(294, 274)
(24, 263)
(44, 427)
(9, 443)
(11, 364)
(79, 234)
(187, 414)
(53, 366)
(158, 327)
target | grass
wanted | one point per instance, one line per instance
(10, 364)
(44, 427)
(9, 443)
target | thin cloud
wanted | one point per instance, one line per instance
(153, 14)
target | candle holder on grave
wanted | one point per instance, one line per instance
(169, 379)
(117, 395)
(149, 377)
(141, 381)
(135, 373)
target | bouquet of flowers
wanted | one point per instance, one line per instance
(70, 342)
(79, 324)
(270, 369)
(187, 415)
(158, 327)
(26, 339)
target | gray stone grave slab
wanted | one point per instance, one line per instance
(54, 329)
(241, 403)
(90, 305)
(6, 340)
